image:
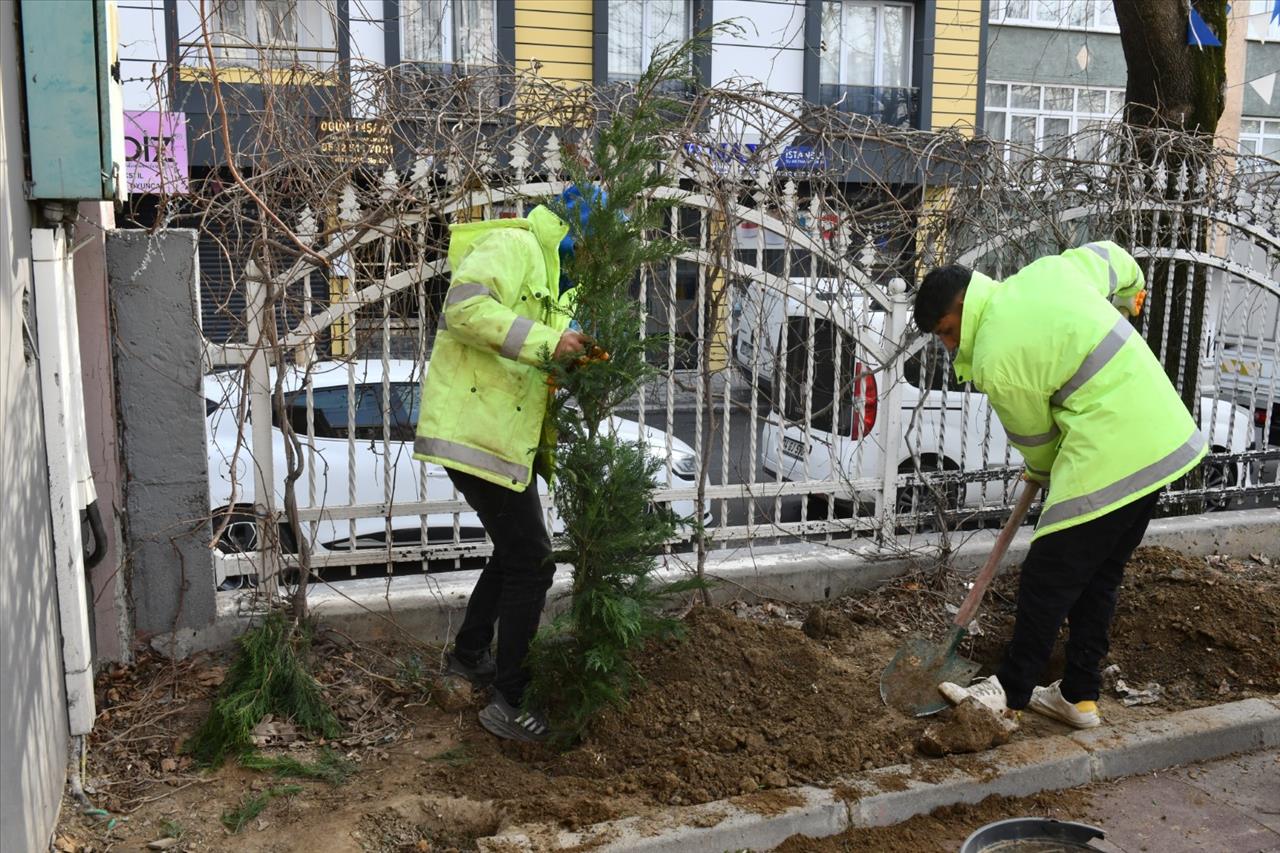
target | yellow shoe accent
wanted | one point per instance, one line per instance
(1087, 706)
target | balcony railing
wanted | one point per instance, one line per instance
(891, 105)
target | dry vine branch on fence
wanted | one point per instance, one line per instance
(296, 201)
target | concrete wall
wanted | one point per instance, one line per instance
(162, 418)
(33, 720)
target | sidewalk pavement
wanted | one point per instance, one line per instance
(1230, 805)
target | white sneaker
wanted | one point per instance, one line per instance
(986, 691)
(1050, 702)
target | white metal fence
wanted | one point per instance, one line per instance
(796, 401)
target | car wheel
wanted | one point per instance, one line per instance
(922, 506)
(1215, 477)
(240, 534)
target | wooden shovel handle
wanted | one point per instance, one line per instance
(971, 601)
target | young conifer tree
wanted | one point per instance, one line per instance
(581, 662)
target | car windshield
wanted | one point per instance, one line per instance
(338, 414)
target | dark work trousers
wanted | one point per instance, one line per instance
(512, 589)
(1073, 574)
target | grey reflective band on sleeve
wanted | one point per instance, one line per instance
(1143, 478)
(1037, 472)
(1105, 253)
(516, 336)
(464, 455)
(1034, 440)
(443, 325)
(1095, 361)
(463, 292)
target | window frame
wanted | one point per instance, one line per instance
(1268, 130)
(325, 55)
(878, 74)
(1260, 27)
(646, 44)
(1041, 113)
(449, 41)
(999, 16)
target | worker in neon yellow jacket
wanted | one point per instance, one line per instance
(1100, 427)
(484, 419)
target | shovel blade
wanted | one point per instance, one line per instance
(910, 682)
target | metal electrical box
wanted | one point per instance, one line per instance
(75, 103)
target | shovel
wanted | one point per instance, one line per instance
(910, 682)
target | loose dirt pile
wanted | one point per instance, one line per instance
(755, 698)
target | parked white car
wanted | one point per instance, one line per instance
(945, 426)
(354, 458)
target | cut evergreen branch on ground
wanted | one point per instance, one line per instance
(329, 766)
(270, 675)
(252, 805)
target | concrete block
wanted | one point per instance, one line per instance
(756, 822)
(1182, 738)
(1017, 770)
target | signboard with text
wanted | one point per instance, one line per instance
(354, 141)
(155, 147)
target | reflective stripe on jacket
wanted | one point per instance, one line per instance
(484, 399)
(1077, 389)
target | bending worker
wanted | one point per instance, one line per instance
(1100, 427)
(484, 404)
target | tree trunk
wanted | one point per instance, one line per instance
(1172, 85)
(1179, 87)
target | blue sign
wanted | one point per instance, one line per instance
(792, 158)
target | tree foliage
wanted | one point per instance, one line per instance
(582, 662)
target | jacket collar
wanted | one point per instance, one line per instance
(550, 230)
(976, 298)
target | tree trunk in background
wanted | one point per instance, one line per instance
(1172, 85)
(1179, 87)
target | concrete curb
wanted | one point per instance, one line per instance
(888, 795)
(429, 607)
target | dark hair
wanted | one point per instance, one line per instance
(938, 290)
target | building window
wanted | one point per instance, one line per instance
(1263, 25)
(866, 44)
(1064, 121)
(449, 32)
(265, 33)
(638, 27)
(1094, 15)
(1260, 136)
(864, 64)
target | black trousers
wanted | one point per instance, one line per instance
(1071, 575)
(512, 588)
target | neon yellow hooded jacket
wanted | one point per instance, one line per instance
(484, 400)
(1077, 389)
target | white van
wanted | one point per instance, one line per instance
(946, 426)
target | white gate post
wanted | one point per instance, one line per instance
(263, 453)
(890, 404)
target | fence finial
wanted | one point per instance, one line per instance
(519, 157)
(390, 183)
(349, 205)
(551, 157)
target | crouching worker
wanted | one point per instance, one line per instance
(1100, 427)
(483, 416)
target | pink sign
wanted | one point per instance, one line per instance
(155, 148)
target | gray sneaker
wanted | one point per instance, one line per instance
(501, 719)
(479, 670)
